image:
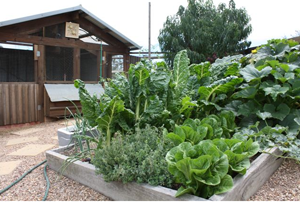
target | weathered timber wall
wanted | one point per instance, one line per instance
(18, 103)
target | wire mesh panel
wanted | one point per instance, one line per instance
(59, 63)
(16, 65)
(88, 66)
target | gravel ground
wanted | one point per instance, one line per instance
(32, 187)
(283, 185)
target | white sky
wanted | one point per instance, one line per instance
(270, 18)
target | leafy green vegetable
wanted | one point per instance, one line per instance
(250, 72)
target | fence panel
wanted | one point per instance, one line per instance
(18, 103)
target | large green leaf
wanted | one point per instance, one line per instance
(279, 112)
(238, 162)
(225, 185)
(142, 74)
(184, 165)
(216, 128)
(90, 106)
(187, 106)
(250, 72)
(200, 165)
(248, 92)
(181, 191)
(180, 72)
(248, 108)
(107, 119)
(275, 90)
(220, 87)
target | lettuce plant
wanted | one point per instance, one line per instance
(206, 168)
(211, 127)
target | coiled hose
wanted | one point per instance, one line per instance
(18, 180)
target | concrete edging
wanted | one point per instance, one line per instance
(244, 186)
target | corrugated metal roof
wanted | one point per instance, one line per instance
(91, 17)
(67, 92)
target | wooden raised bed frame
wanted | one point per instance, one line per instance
(244, 186)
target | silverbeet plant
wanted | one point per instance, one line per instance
(151, 94)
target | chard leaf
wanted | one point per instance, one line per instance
(250, 72)
(142, 74)
(275, 91)
(180, 72)
(220, 87)
(201, 70)
(90, 105)
(233, 69)
(187, 106)
(279, 112)
(107, 119)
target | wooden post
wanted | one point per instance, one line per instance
(104, 69)
(126, 62)
(108, 65)
(41, 71)
(98, 65)
(76, 63)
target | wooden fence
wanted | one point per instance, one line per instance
(18, 103)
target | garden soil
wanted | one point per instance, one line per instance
(283, 185)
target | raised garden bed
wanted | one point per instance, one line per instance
(244, 186)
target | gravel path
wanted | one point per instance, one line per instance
(283, 185)
(32, 187)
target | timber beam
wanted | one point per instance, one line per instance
(63, 42)
(32, 26)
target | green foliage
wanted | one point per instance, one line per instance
(204, 169)
(152, 94)
(205, 31)
(211, 127)
(209, 112)
(135, 157)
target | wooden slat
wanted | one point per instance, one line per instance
(76, 63)
(1, 105)
(30, 104)
(19, 104)
(12, 104)
(25, 101)
(6, 105)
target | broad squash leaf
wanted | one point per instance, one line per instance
(250, 72)
(279, 112)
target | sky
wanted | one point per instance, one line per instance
(269, 18)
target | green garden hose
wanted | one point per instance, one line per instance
(18, 180)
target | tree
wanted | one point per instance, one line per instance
(205, 31)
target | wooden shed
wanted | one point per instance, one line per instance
(52, 49)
